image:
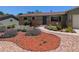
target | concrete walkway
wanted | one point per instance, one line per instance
(77, 30)
(57, 32)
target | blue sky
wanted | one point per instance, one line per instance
(24, 9)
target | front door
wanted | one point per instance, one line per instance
(44, 20)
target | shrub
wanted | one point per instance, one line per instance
(69, 29)
(22, 30)
(9, 34)
(11, 26)
(18, 29)
(27, 22)
(59, 27)
(8, 27)
(33, 32)
(2, 28)
(50, 27)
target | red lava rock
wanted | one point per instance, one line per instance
(42, 42)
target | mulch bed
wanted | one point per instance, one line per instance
(42, 42)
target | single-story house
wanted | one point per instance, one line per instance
(70, 17)
(8, 20)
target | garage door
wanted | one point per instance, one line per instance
(76, 21)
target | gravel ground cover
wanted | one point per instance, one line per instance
(69, 43)
(6, 46)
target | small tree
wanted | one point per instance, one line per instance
(20, 14)
(30, 12)
(37, 11)
(1, 13)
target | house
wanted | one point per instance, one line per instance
(42, 18)
(70, 17)
(8, 20)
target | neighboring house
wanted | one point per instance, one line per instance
(8, 20)
(70, 17)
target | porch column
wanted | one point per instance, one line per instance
(63, 20)
(33, 21)
(21, 20)
(48, 20)
(60, 19)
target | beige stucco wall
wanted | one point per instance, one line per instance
(70, 18)
(29, 18)
(7, 22)
(75, 21)
(39, 20)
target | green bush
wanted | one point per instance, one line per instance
(59, 27)
(33, 32)
(11, 26)
(2, 28)
(27, 22)
(9, 34)
(8, 27)
(18, 29)
(69, 29)
(50, 27)
(23, 30)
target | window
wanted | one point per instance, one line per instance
(54, 18)
(33, 17)
(25, 18)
